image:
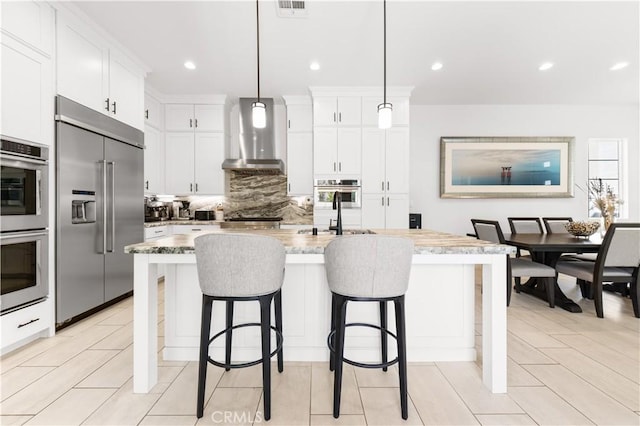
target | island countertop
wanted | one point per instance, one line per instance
(426, 242)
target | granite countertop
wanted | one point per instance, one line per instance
(426, 242)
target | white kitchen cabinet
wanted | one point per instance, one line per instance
(193, 163)
(27, 92)
(152, 111)
(198, 118)
(26, 324)
(156, 232)
(299, 118)
(299, 163)
(98, 76)
(400, 113)
(153, 161)
(385, 160)
(30, 22)
(337, 111)
(337, 151)
(390, 211)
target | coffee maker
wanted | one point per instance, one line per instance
(155, 210)
(183, 212)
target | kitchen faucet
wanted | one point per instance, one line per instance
(337, 204)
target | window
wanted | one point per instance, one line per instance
(606, 167)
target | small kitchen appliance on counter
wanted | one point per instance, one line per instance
(155, 210)
(183, 212)
(204, 215)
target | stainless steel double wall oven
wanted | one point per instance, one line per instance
(24, 233)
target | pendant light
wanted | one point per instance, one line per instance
(258, 109)
(385, 109)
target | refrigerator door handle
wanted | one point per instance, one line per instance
(112, 205)
(104, 206)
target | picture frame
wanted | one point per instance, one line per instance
(506, 167)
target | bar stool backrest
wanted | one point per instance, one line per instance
(237, 265)
(368, 265)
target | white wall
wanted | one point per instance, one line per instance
(429, 123)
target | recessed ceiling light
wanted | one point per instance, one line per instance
(436, 66)
(546, 66)
(190, 65)
(619, 66)
(314, 66)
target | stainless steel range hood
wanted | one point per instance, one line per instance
(257, 146)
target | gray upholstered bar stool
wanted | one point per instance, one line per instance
(371, 268)
(233, 268)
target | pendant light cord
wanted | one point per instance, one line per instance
(258, 44)
(385, 51)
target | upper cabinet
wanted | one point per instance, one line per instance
(299, 118)
(198, 118)
(26, 72)
(152, 111)
(98, 76)
(337, 111)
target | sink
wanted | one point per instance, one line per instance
(331, 232)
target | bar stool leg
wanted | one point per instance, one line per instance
(383, 334)
(332, 358)
(205, 328)
(227, 355)
(402, 354)
(341, 313)
(278, 308)
(265, 323)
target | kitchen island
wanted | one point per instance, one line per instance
(440, 309)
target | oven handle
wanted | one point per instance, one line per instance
(6, 156)
(39, 192)
(23, 235)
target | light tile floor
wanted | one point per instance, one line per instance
(564, 369)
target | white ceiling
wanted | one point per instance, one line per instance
(490, 50)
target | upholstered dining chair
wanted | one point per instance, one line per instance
(525, 225)
(556, 225)
(489, 230)
(617, 261)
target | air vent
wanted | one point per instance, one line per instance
(292, 8)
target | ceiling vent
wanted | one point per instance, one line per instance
(292, 8)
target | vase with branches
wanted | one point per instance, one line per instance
(605, 200)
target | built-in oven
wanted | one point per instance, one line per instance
(325, 189)
(23, 185)
(23, 273)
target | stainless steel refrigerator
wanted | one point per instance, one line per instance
(100, 208)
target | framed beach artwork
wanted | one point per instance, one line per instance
(506, 167)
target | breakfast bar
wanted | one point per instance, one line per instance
(440, 308)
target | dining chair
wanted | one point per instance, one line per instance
(556, 225)
(489, 230)
(617, 261)
(525, 225)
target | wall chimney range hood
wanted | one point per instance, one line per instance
(257, 146)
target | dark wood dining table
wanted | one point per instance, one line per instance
(547, 249)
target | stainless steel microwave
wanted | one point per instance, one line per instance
(23, 185)
(324, 192)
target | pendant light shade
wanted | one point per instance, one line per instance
(259, 115)
(258, 109)
(385, 109)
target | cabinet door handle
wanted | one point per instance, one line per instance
(334, 166)
(340, 166)
(383, 186)
(191, 122)
(289, 187)
(107, 104)
(159, 232)
(28, 322)
(190, 187)
(196, 229)
(146, 184)
(340, 117)
(195, 121)
(196, 187)
(387, 201)
(334, 117)
(146, 114)
(114, 106)
(382, 201)
(289, 123)
(387, 185)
